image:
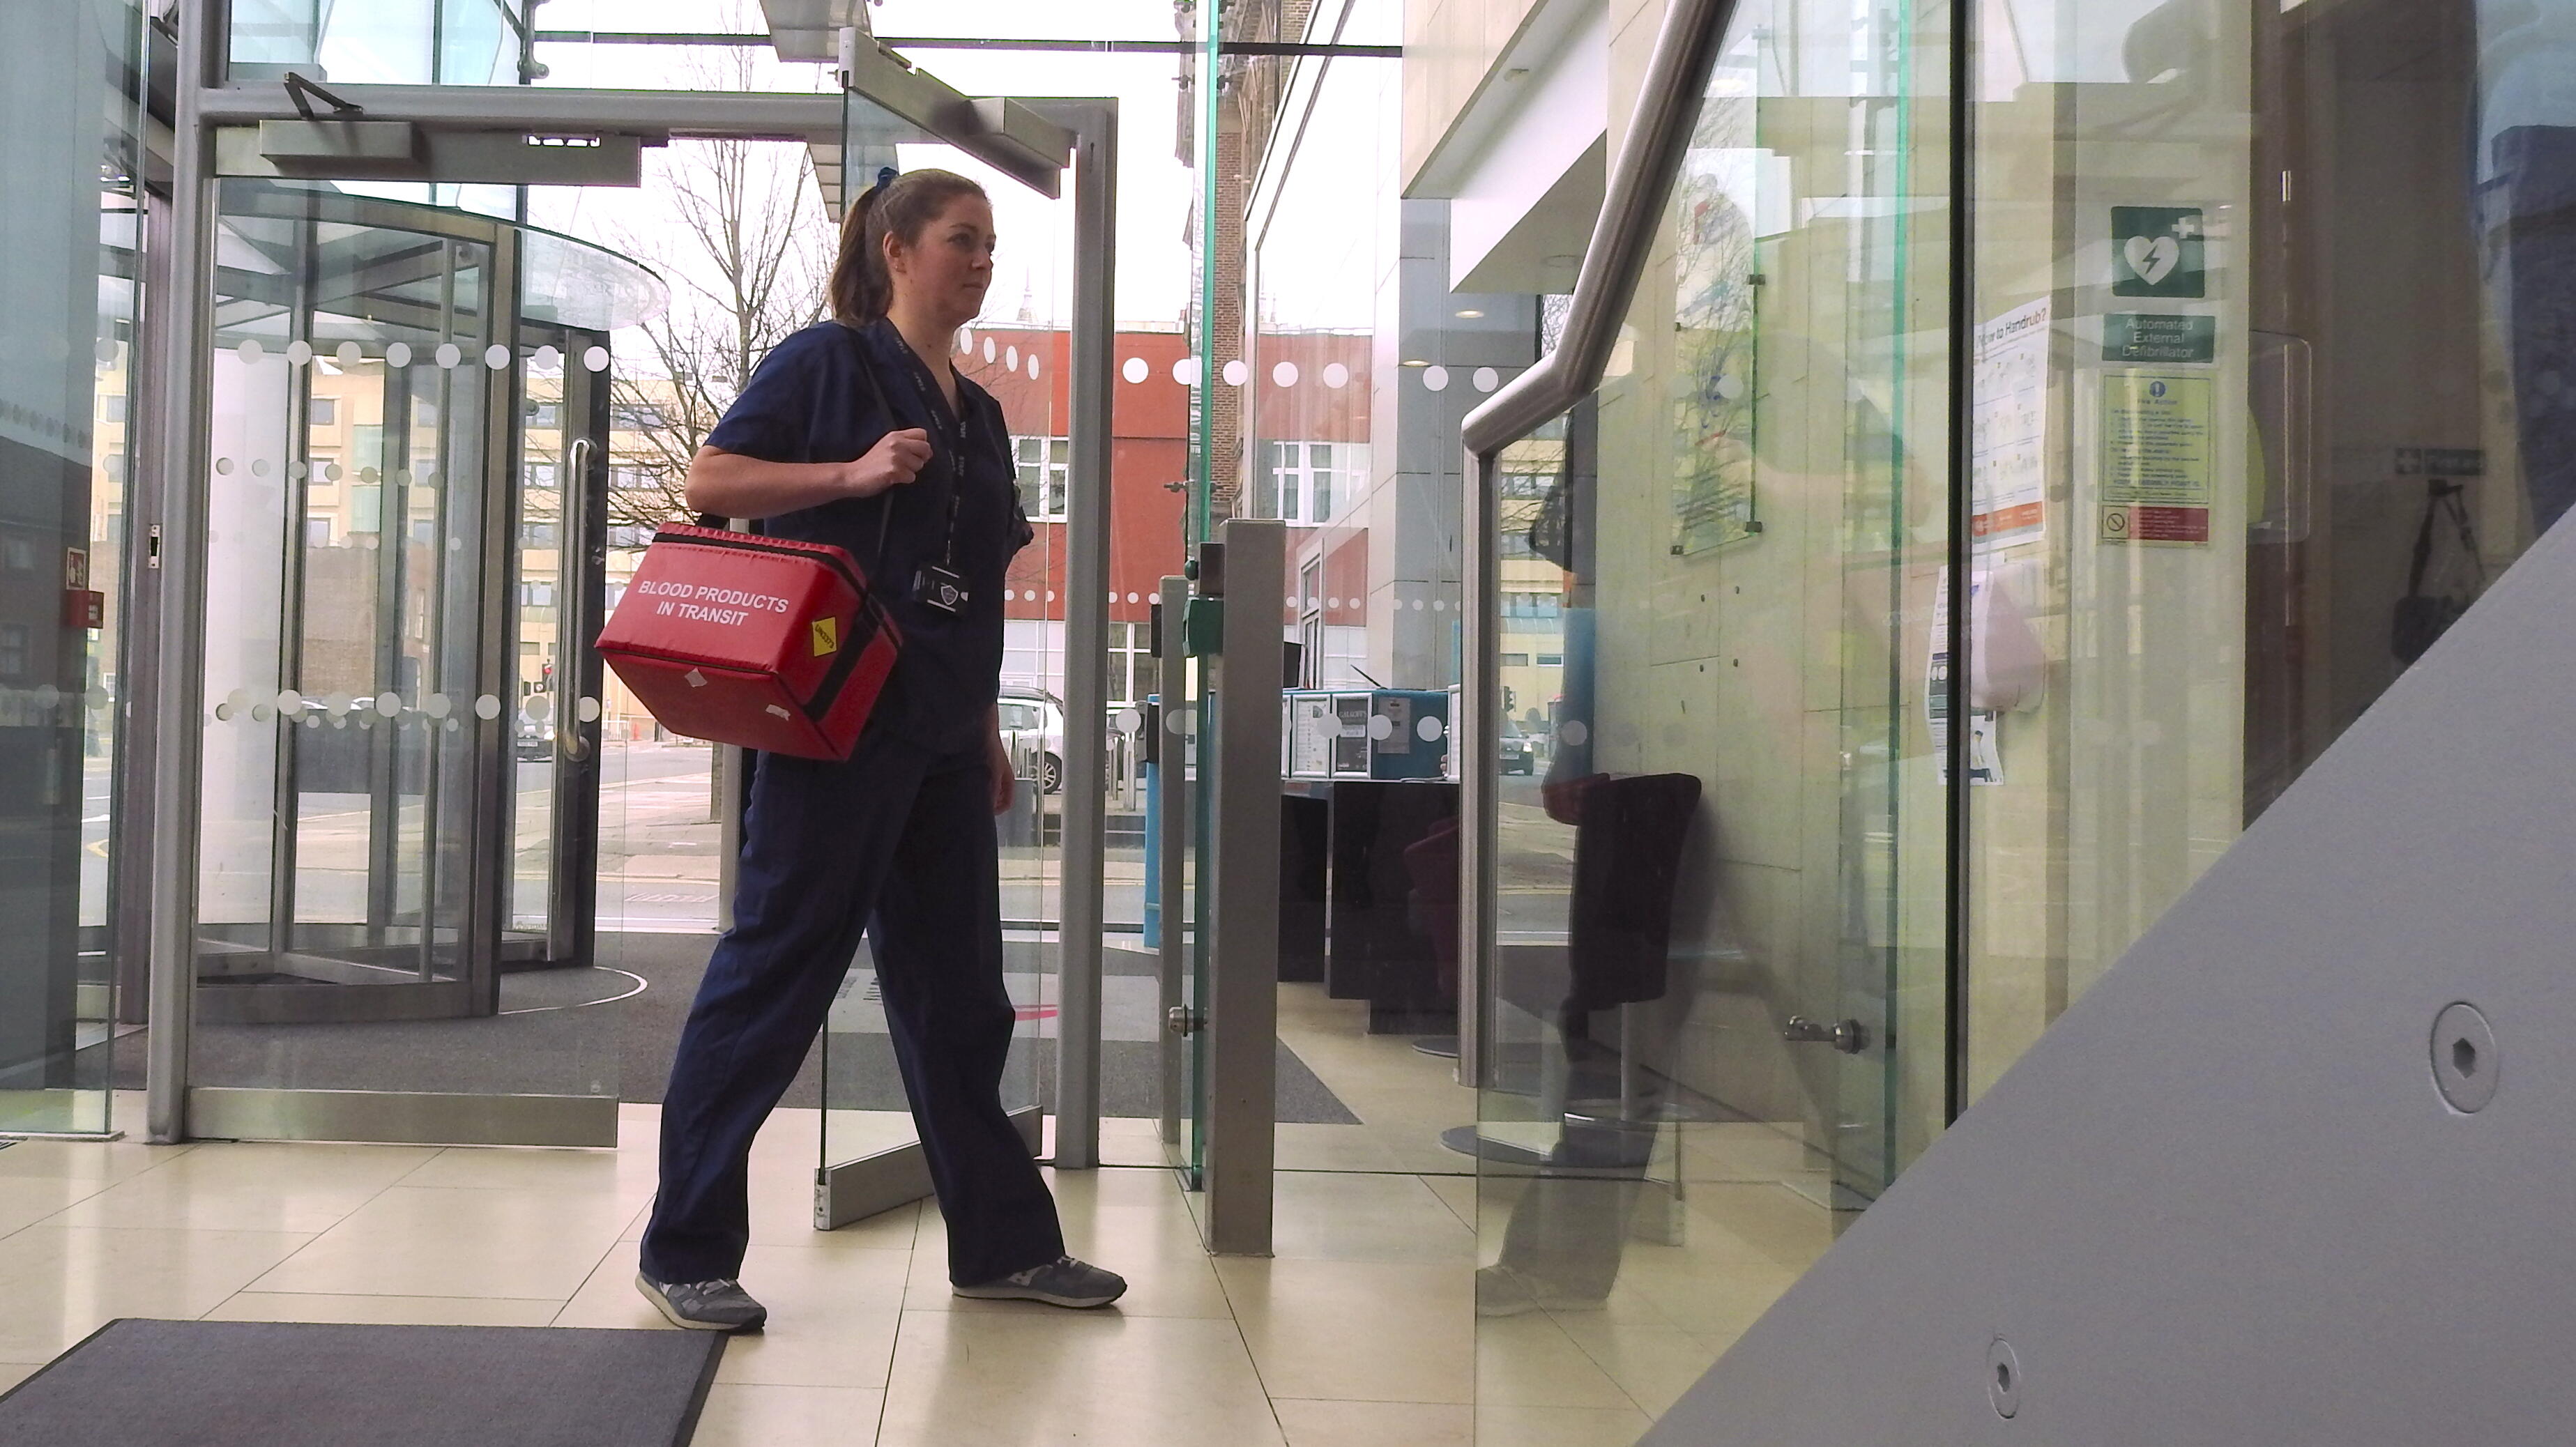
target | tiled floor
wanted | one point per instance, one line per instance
(1359, 1331)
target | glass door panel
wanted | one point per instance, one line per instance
(1715, 1027)
(1017, 352)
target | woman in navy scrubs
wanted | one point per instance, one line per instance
(857, 432)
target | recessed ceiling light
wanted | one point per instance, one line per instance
(1413, 362)
(1471, 313)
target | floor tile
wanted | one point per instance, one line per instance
(1529, 1361)
(1559, 1426)
(253, 1187)
(386, 1310)
(1458, 1193)
(741, 1415)
(85, 1160)
(624, 1171)
(64, 1282)
(422, 1241)
(26, 1200)
(1134, 1222)
(1373, 1424)
(1654, 1365)
(1392, 1218)
(1356, 1331)
(975, 1377)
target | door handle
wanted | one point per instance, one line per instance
(1848, 1036)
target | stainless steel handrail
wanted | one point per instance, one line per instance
(1632, 208)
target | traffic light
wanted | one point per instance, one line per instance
(1511, 698)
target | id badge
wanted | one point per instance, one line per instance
(937, 587)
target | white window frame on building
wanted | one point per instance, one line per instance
(1306, 482)
(1045, 469)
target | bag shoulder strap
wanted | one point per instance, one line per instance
(876, 393)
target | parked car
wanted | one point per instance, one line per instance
(535, 741)
(1033, 732)
(1517, 755)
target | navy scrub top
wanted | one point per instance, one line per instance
(810, 401)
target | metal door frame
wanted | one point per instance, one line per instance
(1009, 134)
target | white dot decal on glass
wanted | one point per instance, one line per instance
(1430, 726)
(1186, 371)
(348, 354)
(261, 713)
(437, 705)
(449, 354)
(331, 472)
(259, 467)
(1050, 597)
(313, 720)
(989, 350)
(289, 702)
(367, 476)
(1033, 366)
(1113, 599)
(389, 704)
(456, 545)
(451, 725)
(251, 352)
(1418, 605)
(496, 356)
(223, 467)
(224, 712)
(238, 699)
(1237, 373)
(1173, 721)
(966, 341)
(1136, 370)
(546, 359)
(595, 359)
(1285, 374)
(1010, 359)
(95, 698)
(338, 704)
(1574, 733)
(398, 355)
(487, 707)
(106, 352)
(1486, 379)
(1336, 376)
(1381, 728)
(298, 352)
(295, 470)
(1436, 378)
(1439, 605)
(1129, 720)
(401, 477)
(366, 718)
(1131, 597)
(588, 710)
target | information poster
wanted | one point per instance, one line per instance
(1713, 384)
(2010, 471)
(2156, 458)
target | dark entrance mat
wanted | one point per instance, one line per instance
(141, 1383)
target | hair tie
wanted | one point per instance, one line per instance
(885, 178)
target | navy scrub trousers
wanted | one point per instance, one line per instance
(897, 842)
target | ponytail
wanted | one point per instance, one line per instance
(903, 205)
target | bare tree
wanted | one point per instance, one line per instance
(746, 252)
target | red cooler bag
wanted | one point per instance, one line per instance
(769, 643)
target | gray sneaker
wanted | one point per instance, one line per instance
(704, 1305)
(1061, 1282)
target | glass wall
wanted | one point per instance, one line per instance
(2259, 436)
(67, 105)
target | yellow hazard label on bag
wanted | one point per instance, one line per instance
(827, 636)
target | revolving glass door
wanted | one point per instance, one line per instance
(401, 759)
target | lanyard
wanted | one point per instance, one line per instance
(957, 436)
